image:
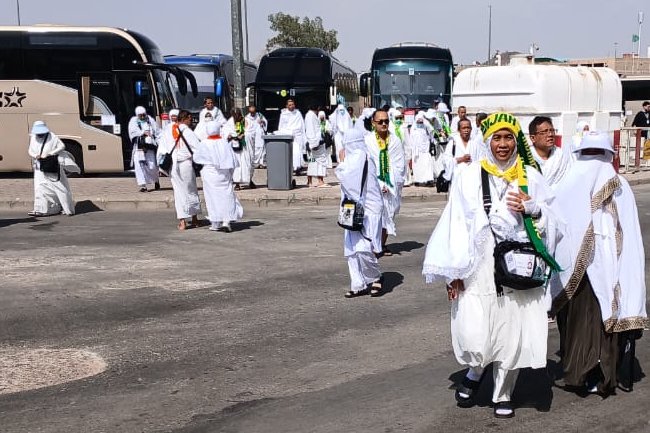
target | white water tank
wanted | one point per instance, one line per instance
(563, 93)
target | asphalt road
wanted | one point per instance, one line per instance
(249, 332)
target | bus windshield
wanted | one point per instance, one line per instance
(291, 70)
(411, 83)
(205, 76)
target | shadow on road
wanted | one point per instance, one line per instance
(11, 221)
(391, 280)
(533, 389)
(405, 247)
(86, 206)
(46, 227)
(246, 225)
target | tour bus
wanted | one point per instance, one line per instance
(310, 76)
(411, 75)
(85, 82)
(214, 75)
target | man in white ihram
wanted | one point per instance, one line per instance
(144, 134)
(291, 121)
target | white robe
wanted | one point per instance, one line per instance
(52, 193)
(423, 162)
(219, 162)
(360, 247)
(341, 122)
(556, 166)
(144, 163)
(186, 194)
(511, 329)
(451, 166)
(393, 196)
(244, 171)
(216, 113)
(618, 280)
(318, 153)
(255, 127)
(292, 123)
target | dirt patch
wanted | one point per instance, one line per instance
(23, 369)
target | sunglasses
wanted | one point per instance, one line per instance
(382, 122)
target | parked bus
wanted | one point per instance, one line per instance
(307, 75)
(85, 82)
(214, 76)
(411, 75)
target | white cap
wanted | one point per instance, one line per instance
(140, 110)
(430, 113)
(442, 107)
(595, 140)
(321, 115)
(212, 127)
(174, 112)
(39, 127)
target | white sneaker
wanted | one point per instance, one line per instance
(214, 227)
(226, 228)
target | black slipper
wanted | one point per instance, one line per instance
(504, 409)
(350, 294)
(377, 288)
(465, 392)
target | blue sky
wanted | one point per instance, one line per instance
(561, 28)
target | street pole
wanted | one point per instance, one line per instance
(18, 10)
(489, 56)
(638, 48)
(248, 58)
(237, 52)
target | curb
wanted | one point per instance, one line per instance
(265, 201)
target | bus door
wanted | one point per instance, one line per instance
(133, 89)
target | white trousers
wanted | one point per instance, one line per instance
(145, 167)
(364, 269)
(504, 381)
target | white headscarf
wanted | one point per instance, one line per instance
(215, 151)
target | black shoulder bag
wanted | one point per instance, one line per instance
(49, 164)
(351, 212)
(516, 264)
(442, 184)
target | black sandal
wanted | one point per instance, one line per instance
(376, 288)
(504, 409)
(350, 294)
(465, 393)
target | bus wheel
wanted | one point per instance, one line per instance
(74, 149)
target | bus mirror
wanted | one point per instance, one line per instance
(218, 87)
(364, 81)
(333, 99)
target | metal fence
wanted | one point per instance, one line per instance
(631, 150)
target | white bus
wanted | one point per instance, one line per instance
(85, 82)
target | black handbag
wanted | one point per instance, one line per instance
(351, 212)
(49, 164)
(517, 265)
(442, 184)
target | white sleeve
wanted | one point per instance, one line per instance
(134, 130)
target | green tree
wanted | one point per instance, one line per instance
(292, 32)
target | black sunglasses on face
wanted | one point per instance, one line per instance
(383, 122)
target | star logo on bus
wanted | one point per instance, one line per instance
(15, 98)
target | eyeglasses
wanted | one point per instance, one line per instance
(382, 122)
(546, 132)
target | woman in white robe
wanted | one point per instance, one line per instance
(52, 193)
(508, 330)
(143, 160)
(423, 162)
(235, 132)
(319, 154)
(255, 128)
(341, 122)
(181, 141)
(360, 247)
(219, 163)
